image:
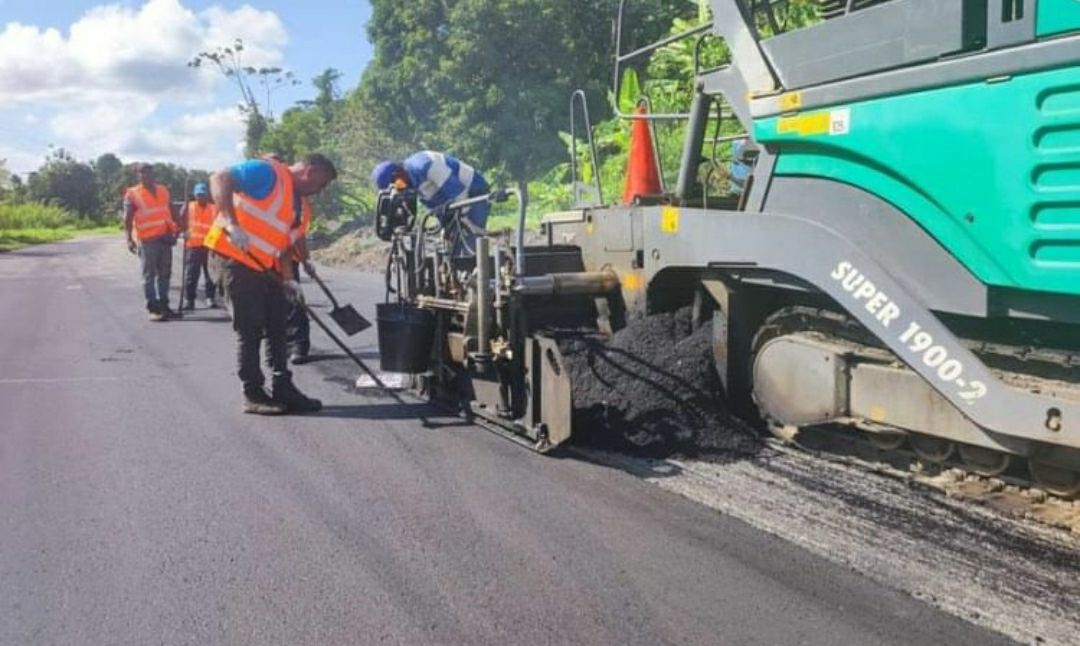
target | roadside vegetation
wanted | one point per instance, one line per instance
(488, 81)
(66, 197)
(33, 223)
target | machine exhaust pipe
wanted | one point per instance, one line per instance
(483, 297)
(583, 283)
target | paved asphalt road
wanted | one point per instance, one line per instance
(139, 506)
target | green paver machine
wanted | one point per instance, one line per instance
(905, 256)
(902, 260)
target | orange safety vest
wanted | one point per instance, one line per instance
(267, 222)
(153, 217)
(200, 218)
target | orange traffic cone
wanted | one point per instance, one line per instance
(642, 176)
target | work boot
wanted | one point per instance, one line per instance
(189, 306)
(257, 402)
(155, 316)
(211, 304)
(286, 394)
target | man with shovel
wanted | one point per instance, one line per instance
(260, 209)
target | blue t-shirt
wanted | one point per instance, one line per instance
(254, 177)
(257, 178)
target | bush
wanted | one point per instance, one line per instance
(35, 215)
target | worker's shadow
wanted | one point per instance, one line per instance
(390, 409)
(319, 357)
(201, 319)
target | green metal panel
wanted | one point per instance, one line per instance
(991, 170)
(1057, 16)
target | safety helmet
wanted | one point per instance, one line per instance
(201, 190)
(384, 173)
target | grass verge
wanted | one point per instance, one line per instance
(11, 239)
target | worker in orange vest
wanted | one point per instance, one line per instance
(198, 215)
(151, 230)
(260, 209)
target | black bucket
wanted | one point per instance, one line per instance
(406, 334)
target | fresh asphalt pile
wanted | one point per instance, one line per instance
(652, 389)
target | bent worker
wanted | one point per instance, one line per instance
(199, 215)
(260, 206)
(439, 180)
(150, 229)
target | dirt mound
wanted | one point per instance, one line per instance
(652, 388)
(360, 249)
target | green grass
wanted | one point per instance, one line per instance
(31, 223)
(11, 239)
(34, 215)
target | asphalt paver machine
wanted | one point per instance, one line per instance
(903, 259)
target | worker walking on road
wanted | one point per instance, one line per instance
(198, 215)
(260, 210)
(151, 230)
(439, 180)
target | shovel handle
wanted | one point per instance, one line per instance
(333, 337)
(326, 290)
(325, 328)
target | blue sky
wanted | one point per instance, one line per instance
(95, 77)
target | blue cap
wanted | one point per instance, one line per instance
(201, 190)
(384, 173)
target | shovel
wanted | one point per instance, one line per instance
(347, 318)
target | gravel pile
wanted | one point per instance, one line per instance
(652, 389)
(360, 249)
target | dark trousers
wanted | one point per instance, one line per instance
(259, 309)
(196, 264)
(298, 328)
(156, 256)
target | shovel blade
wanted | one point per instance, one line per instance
(349, 320)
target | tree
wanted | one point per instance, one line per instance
(327, 96)
(109, 173)
(6, 183)
(229, 61)
(66, 182)
(491, 79)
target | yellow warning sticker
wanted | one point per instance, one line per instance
(790, 101)
(805, 125)
(669, 220)
(589, 228)
(837, 122)
(631, 281)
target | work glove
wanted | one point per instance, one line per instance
(133, 246)
(293, 291)
(238, 237)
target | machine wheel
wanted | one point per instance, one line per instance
(985, 462)
(932, 449)
(1058, 481)
(887, 441)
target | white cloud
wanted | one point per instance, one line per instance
(207, 140)
(113, 50)
(110, 81)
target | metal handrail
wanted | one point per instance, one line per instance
(592, 147)
(621, 58)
